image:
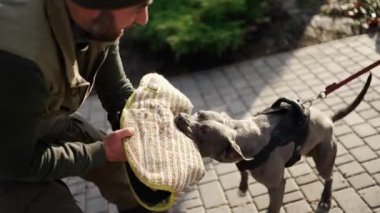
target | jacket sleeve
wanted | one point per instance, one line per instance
(112, 86)
(24, 93)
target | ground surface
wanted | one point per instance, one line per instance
(241, 89)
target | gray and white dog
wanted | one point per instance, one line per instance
(228, 140)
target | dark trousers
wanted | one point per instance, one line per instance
(54, 196)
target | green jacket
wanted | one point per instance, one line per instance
(43, 75)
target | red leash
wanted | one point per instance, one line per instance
(334, 86)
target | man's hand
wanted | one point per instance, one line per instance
(113, 145)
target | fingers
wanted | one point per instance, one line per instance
(125, 132)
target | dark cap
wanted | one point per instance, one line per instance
(108, 4)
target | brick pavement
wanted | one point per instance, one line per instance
(245, 88)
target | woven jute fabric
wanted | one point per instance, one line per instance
(159, 154)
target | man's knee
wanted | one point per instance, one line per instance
(112, 181)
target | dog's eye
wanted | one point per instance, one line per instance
(201, 115)
(204, 129)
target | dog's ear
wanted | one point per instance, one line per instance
(235, 152)
(236, 147)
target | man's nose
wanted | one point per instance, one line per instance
(143, 17)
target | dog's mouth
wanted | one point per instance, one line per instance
(184, 126)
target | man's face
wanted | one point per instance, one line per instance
(108, 25)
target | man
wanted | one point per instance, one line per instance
(52, 53)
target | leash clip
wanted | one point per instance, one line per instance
(308, 103)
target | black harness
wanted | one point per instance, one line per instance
(292, 128)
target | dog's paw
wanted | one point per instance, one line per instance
(323, 207)
(241, 193)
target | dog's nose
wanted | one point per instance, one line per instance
(181, 117)
(178, 118)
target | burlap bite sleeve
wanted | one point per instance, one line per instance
(161, 160)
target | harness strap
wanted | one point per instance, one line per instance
(292, 128)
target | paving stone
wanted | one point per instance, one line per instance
(262, 201)
(312, 191)
(353, 118)
(372, 166)
(373, 141)
(341, 150)
(231, 180)
(191, 194)
(112, 208)
(310, 162)
(292, 196)
(287, 174)
(365, 108)
(190, 204)
(248, 208)
(290, 186)
(209, 176)
(81, 200)
(196, 210)
(371, 196)
(342, 130)
(299, 169)
(364, 130)
(377, 178)
(221, 209)
(368, 113)
(78, 188)
(350, 202)
(208, 164)
(73, 180)
(305, 179)
(223, 168)
(350, 140)
(212, 194)
(257, 189)
(343, 159)
(92, 192)
(350, 169)
(265, 211)
(336, 210)
(339, 182)
(363, 153)
(298, 207)
(361, 181)
(374, 121)
(96, 205)
(333, 101)
(237, 106)
(235, 200)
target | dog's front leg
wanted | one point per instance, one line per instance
(243, 186)
(276, 195)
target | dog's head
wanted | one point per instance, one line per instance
(213, 133)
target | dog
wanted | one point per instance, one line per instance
(228, 140)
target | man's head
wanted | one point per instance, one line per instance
(105, 20)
